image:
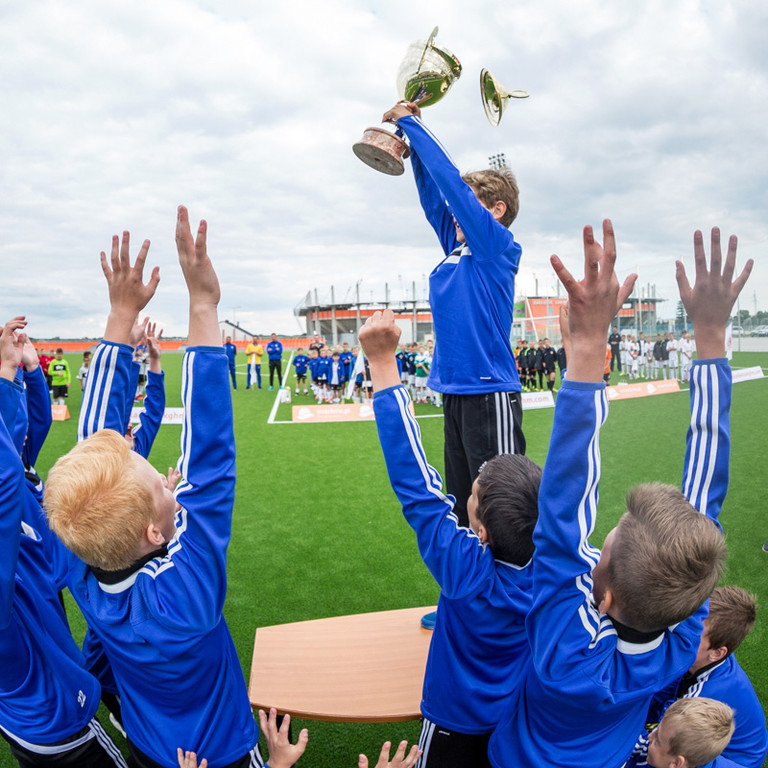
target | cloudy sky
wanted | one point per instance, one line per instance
(652, 113)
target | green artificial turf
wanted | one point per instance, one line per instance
(317, 530)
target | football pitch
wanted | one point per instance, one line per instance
(317, 530)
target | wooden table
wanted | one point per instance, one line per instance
(363, 668)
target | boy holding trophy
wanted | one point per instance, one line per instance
(471, 292)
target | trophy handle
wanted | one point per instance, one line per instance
(495, 96)
(427, 47)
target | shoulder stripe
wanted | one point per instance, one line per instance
(187, 382)
(704, 441)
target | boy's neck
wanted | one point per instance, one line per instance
(632, 635)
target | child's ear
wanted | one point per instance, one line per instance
(715, 654)
(499, 209)
(482, 534)
(155, 535)
(607, 602)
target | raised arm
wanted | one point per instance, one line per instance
(207, 464)
(569, 486)
(476, 221)
(11, 470)
(432, 200)
(38, 405)
(709, 303)
(418, 486)
(154, 402)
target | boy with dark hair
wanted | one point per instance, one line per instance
(607, 628)
(479, 647)
(530, 366)
(346, 359)
(300, 363)
(549, 363)
(82, 374)
(151, 580)
(471, 293)
(58, 370)
(336, 377)
(717, 675)
(321, 368)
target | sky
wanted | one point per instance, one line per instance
(651, 113)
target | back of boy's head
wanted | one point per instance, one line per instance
(699, 729)
(508, 505)
(732, 615)
(490, 186)
(95, 502)
(666, 558)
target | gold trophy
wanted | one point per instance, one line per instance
(495, 98)
(425, 75)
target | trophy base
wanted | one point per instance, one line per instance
(382, 150)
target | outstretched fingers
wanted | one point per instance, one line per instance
(683, 286)
(183, 234)
(563, 275)
(730, 258)
(200, 241)
(739, 282)
(626, 290)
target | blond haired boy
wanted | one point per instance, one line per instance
(692, 734)
(152, 582)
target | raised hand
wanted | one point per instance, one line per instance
(380, 335)
(401, 109)
(282, 754)
(202, 283)
(189, 759)
(592, 303)
(379, 338)
(171, 479)
(12, 343)
(128, 294)
(710, 302)
(137, 331)
(198, 270)
(153, 336)
(29, 358)
(400, 760)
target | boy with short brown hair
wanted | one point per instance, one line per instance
(598, 655)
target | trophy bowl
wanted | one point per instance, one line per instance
(427, 72)
(425, 75)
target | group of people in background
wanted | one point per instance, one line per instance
(253, 353)
(537, 364)
(664, 357)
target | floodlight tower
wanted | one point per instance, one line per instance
(498, 161)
